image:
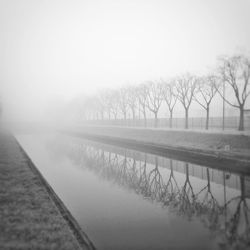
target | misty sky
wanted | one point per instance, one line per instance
(51, 51)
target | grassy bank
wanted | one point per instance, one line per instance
(29, 216)
(231, 148)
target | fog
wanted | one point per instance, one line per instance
(52, 52)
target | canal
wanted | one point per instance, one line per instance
(127, 199)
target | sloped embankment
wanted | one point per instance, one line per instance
(230, 150)
(31, 214)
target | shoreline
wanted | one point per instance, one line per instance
(236, 158)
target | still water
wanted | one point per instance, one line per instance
(126, 199)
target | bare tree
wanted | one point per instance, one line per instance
(132, 100)
(206, 90)
(237, 225)
(154, 99)
(123, 102)
(170, 96)
(92, 108)
(76, 110)
(186, 86)
(114, 103)
(105, 101)
(100, 101)
(82, 113)
(98, 108)
(235, 72)
(142, 93)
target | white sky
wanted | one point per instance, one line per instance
(51, 50)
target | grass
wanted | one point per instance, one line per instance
(235, 143)
(29, 218)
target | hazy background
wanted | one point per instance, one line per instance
(52, 51)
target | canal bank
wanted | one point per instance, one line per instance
(126, 199)
(31, 214)
(217, 149)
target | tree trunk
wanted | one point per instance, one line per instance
(133, 114)
(171, 167)
(186, 118)
(187, 172)
(171, 119)
(208, 180)
(139, 111)
(207, 118)
(242, 187)
(145, 118)
(133, 117)
(156, 120)
(241, 124)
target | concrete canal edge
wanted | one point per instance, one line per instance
(211, 158)
(81, 237)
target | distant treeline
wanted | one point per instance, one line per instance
(231, 73)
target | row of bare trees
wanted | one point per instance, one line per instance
(138, 100)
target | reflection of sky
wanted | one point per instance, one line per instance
(112, 214)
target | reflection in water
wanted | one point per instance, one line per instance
(126, 199)
(224, 213)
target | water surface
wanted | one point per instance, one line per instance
(126, 199)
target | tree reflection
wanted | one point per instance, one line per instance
(228, 220)
(143, 180)
(171, 189)
(186, 196)
(237, 224)
(208, 207)
(155, 186)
